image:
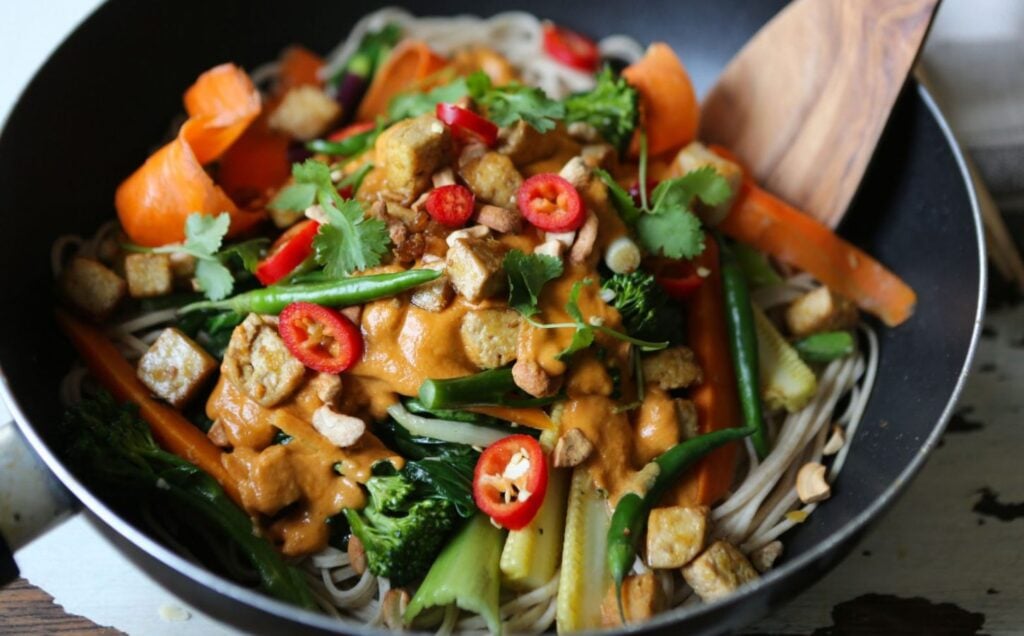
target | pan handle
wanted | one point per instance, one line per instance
(31, 498)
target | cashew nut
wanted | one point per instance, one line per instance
(764, 557)
(356, 555)
(810, 483)
(835, 441)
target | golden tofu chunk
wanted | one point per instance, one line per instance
(412, 150)
(436, 295)
(175, 368)
(474, 267)
(523, 144)
(719, 571)
(148, 275)
(259, 364)
(490, 336)
(696, 155)
(673, 368)
(305, 113)
(820, 310)
(642, 598)
(493, 178)
(676, 535)
(267, 480)
(92, 287)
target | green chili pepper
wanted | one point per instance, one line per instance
(629, 521)
(492, 387)
(743, 346)
(338, 293)
(825, 347)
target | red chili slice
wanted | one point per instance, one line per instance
(510, 481)
(450, 205)
(287, 252)
(571, 48)
(466, 124)
(679, 279)
(551, 203)
(321, 338)
(350, 131)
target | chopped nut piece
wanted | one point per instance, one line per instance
(764, 557)
(412, 150)
(577, 172)
(835, 441)
(475, 268)
(565, 238)
(259, 364)
(811, 485)
(92, 287)
(820, 310)
(676, 535)
(392, 608)
(305, 113)
(550, 248)
(340, 429)
(175, 367)
(443, 177)
(148, 275)
(356, 554)
(327, 387)
(490, 336)
(582, 131)
(719, 571)
(673, 368)
(353, 313)
(583, 246)
(500, 219)
(471, 232)
(572, 449)
(493, 179)
(599, 156)
(642, 598)
(530, 377)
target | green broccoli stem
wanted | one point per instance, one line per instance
(465, 573)
(492, 387)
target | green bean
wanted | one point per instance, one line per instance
(492, 387)
(338, 293)
(629, 521)
(825, 347)
(743, 346)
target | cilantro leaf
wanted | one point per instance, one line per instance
(294, 198)
(313, 172)
(214, 278)
(621, 199)
(350, 241)
(527, 274)
(584, 336)
(611, 108)
(704, 183)
(675, 233)
(204, 233)
(248, 252)
(507, 104)
(414, 104)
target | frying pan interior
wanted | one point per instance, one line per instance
(108, 94)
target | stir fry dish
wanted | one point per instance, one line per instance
(462, 328)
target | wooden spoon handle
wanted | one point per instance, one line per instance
(805, 101)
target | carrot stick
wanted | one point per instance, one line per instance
(170, 428)
(772, 226)
(299, 67)
(410, 62)
(716, 398)
(155, 200)
(534, 418)
(669, 110)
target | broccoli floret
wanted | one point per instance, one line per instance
(611, 108)
(401, 530)
(646, 312)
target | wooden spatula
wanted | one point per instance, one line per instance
(804, 102)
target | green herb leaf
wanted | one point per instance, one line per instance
(204, 233)
(355, 179)
(348, 147)
(704, 183)
(527, 274)
(507, 104)
(214, 278)
(414, 104)
(350, 241)
(621, 199)
(248, 252)
(313, 172)
(675, 233)
(611, 108)
(584, 336)
(294, 198)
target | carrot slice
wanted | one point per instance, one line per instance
(299, 67)
(155, 200)
(716, 399)
(410, 62)
(774, 227)
(668, 104)
(534, 418)
(170, 428)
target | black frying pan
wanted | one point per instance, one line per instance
(106, 96)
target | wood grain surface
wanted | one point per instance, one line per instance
(26, 609)
(805, 101)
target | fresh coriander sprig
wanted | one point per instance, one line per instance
(527, 275)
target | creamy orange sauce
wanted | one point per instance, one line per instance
(291, 489)
(657, 425)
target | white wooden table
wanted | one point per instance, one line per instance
(946, 560)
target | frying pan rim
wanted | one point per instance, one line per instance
(285, 611)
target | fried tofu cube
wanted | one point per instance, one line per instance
(278, 484)
(474, 267)
(175, 367)
(676, 535)
(673, 368)
(259, 364)
(183, 267)
(92, 287)
(642, 598)
(412, 150)
(820, 310)
(305, 113)
(523, 144)
(148, 275)
(696, 155)
(436, 295)
(719, 571)
(490, 336)
(493, 178)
